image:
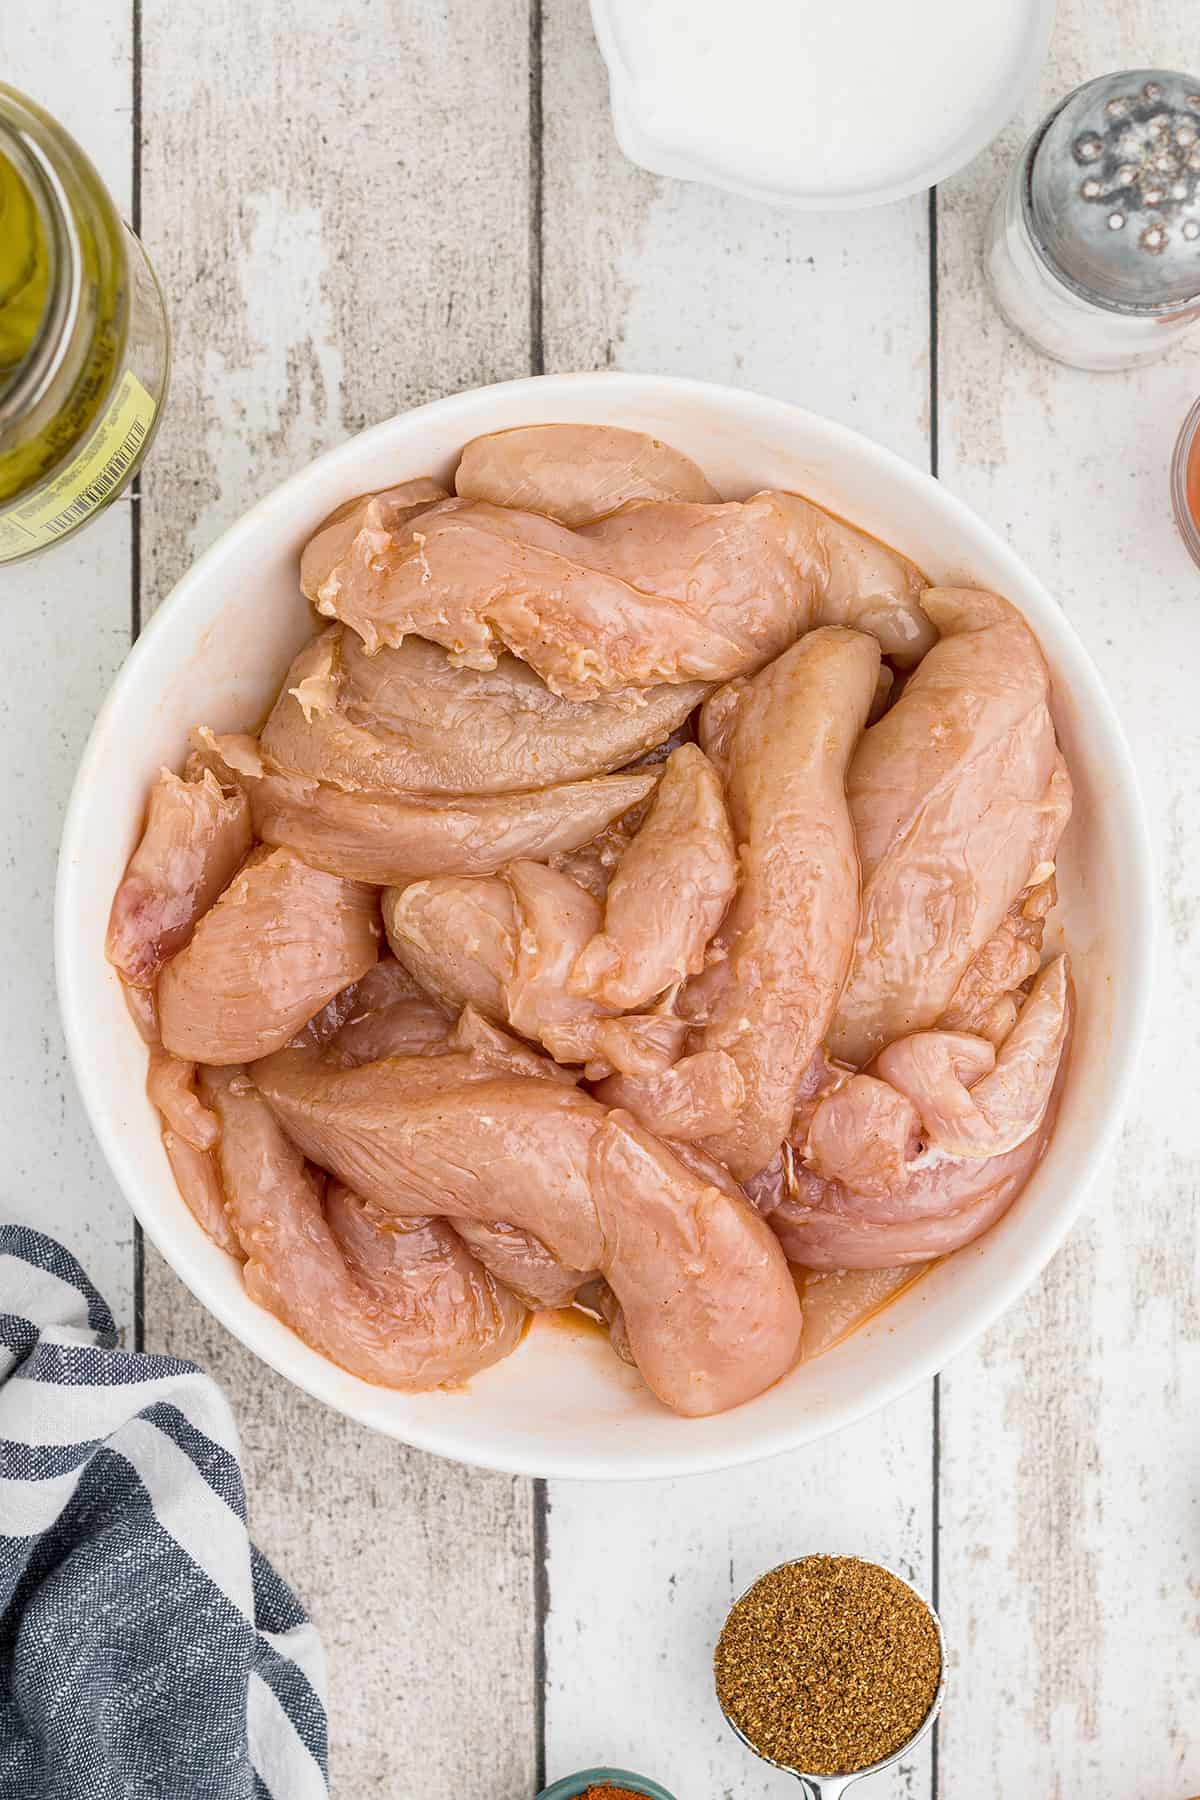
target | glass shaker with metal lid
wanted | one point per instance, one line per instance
(1093, 249)
(84, 346)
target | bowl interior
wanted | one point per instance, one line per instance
(215, 653)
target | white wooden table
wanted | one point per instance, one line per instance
(357, 207)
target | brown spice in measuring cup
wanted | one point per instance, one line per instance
(828, 1665)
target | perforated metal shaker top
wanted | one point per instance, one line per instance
(1112, 191)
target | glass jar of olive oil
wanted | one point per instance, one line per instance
(84, 345)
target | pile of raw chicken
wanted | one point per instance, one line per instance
(633, 899)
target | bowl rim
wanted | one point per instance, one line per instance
(572, 1787)
(1028, 1257)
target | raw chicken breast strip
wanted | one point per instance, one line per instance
(986, 1000)
(782, 741)
(862, 1133)
(949, 795)
(954, 1202)
(974, 1102)
(505, 945)
(385, 511)
(944, 1203)
(668, 893)
(661, 591)
(196, 837)
(198, 1178)
(521, 1262)
(407, 719)
(281, 941)
(575, 473)
(697, 1097)
(389, 838)
(170, 1087)
(381, 1016)
(400, 1303)
(712, 1315)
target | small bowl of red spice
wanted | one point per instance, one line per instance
(605, 1784)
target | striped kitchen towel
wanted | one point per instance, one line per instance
(147, 1651)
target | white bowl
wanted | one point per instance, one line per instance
(983, 75)
(215, 652)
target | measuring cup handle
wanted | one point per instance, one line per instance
(825, 1787)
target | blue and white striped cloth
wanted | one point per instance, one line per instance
(147, 1650)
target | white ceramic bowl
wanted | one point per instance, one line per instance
(984, 73)
(215, 652)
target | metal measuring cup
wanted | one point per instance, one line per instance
(831, 1787)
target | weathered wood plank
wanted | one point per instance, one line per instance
(1070, 1550)
(67, 618)
(648, 274)
(338, 208)
(641, 1577)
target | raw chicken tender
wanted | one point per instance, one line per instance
(949, 794)
(407, 719)
(660, 591)
(494, 1049)
(575, 473)
(697, 1097)
(954, 1202)
(281, 941)
(390, 838)
(669, 891)
(946, 1202)
(783, 741)
(987, 1000)
(865, 1134)
(457, 936)
(384, 511)
(197, 835)
(974, 1102)
(198, 1178)
(712, 1315)
(170, 1086)
(399, 1302)
(505, 945)
(555, 918)
(523, 1264)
